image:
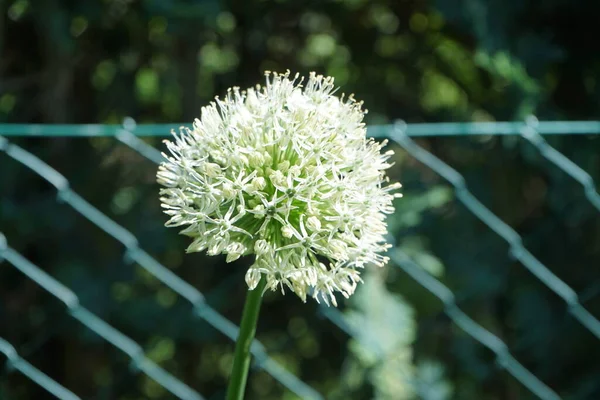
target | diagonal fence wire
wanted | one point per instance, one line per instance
(472, 328)
(530, 133)
(96, 325)
(515, 242)
(134, 253)
(14, 361)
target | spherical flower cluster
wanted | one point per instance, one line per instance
(284, 172)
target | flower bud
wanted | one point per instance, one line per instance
(234, 251)
(216, 247)
(258, 184)
(313, 223)
(228, 190)
(259, 211)
(252, 278)
(277, 178)
(261, 247)
(256, 159)
(211, 169)
(295, 171)
(284, 166)
(287, 231)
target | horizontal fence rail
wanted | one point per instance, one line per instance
(532, 134)
(414, 130)
(530, 130)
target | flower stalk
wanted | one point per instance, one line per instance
(242, 356)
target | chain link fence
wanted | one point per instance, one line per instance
(401, 133)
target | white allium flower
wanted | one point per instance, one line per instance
(284, 172)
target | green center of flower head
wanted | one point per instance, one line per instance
(284, 172)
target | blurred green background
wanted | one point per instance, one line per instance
(68, 61)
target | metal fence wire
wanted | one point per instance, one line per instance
(129, 134)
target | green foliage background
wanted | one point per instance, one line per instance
(66, 61)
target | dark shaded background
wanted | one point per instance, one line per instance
(447, 60)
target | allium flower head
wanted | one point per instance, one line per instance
(284, 172)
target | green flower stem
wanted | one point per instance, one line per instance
(241, 359)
